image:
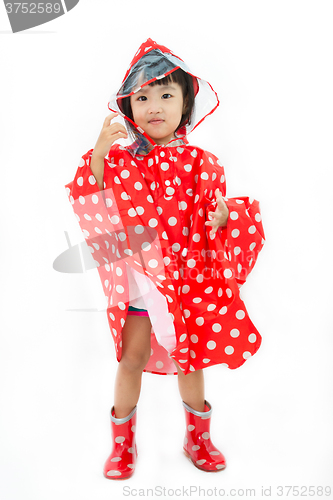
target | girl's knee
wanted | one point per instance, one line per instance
(134, 360)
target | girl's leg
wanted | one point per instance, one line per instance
(135, 355)
(192, 389)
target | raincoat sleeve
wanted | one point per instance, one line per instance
(243, 237)
(97, 213)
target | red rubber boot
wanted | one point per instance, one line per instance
(197, 444)
(121, 462)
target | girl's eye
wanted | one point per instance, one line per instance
(142, 98)
(166, 96)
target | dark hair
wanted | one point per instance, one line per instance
(184, 80)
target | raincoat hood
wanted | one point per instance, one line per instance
(154, 62)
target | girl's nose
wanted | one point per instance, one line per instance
(154, 108)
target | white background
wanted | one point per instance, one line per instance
(271, 65)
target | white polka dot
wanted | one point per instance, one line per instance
(206, 360)
(252, 229)
(152, 222)
(170, 191)
(185, 289)
(176, 247)
(188, 167)
(172, 221)
(132, 212)
(79, 180)
(119, 271)
(120, 289)
(194, 339)
(182, 338)
(233, 215)
(194, 153)
(197, 300)
(92, 180)
(235, 233)
(115, 459)
(240, 314)
(209, 289)
(204, 176)
(216, 327)
(124, 174)
(150, 198)
(195, 447)
(115, 219)
(211, 307)
(153, 263)
(191, 263)
(196, 237)
(159, 364)
(121, 306)
(234, 332)
(139, 229)
(252, 246)
(139, 210)
(252, 338)
(187, 313)
(237, 250)
(205, 435)
(138, 186)
(119, 439)
(257, 217)
(182, 205)
(229, 349)
(200, 278)
(227, 273)
(164, 166)
(246, 354)
(220, 466)
(113, 473)
(82, 200)
(200, 321)
(94, 199)
(211, 345)
(150, 162)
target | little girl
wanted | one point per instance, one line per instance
(171, 249)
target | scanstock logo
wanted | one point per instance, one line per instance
(25, 15)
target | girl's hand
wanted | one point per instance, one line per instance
(219, 218)
(109, 134)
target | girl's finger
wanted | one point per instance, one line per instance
(109, 118)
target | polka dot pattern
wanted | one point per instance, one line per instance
(151, 216)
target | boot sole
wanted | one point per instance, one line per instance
(187, 455)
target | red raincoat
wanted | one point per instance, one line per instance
(149, 222)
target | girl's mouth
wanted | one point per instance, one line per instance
(156, 121)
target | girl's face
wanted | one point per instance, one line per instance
(158, 110)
